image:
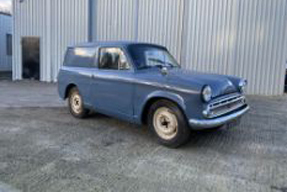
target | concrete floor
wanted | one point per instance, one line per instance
(43, 148)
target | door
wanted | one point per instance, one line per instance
(31, 58)
(112, 84)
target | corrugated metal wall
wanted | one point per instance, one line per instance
(114, 19)
(261, 45)
(246, 38)
(238, 37)
(57, 23)
(30, 23)
(160, 21)
(5, 28)
(157, 21)
(69, 26)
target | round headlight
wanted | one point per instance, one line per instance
(206, 93)
(242, 85)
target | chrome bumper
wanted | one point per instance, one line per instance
(211, 123)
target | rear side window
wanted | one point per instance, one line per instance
(80, 57)
(113, 59)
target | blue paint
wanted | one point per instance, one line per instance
(124, 93)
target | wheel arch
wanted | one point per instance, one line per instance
(68, 88)
(172, 97)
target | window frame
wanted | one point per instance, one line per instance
(143, 47)
(9, 44)
(113, 47)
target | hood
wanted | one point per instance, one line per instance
(220, 84)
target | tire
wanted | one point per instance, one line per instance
(76, 104)
(168, 123)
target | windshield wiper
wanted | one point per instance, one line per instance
(145, 67)
(164, 64)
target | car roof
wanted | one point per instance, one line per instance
(113, 43)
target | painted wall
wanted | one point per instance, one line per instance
(246, 38)
(5, 28)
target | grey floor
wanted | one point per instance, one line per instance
(43, 148)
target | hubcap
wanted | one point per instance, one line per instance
(76, 103)
(165, 123)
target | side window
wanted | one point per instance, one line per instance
(80, 57)
(113, 59)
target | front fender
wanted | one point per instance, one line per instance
(168, 95)
(176, 98)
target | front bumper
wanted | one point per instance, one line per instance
(212, 123)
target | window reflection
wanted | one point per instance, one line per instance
(84, 52)
(113, 59)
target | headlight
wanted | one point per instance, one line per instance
(206, 93)
(242, 85)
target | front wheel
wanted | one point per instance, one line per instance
(76, 104)
(168, 123)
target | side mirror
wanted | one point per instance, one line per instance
(164, 71)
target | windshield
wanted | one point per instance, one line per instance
(146, 56)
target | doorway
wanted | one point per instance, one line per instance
(31, 58)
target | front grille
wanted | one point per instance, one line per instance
(224, 106)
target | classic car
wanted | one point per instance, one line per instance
(144, 84)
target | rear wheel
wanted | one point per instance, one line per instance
(76, 104)
(168, 123)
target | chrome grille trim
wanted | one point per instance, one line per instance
(225, 105)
